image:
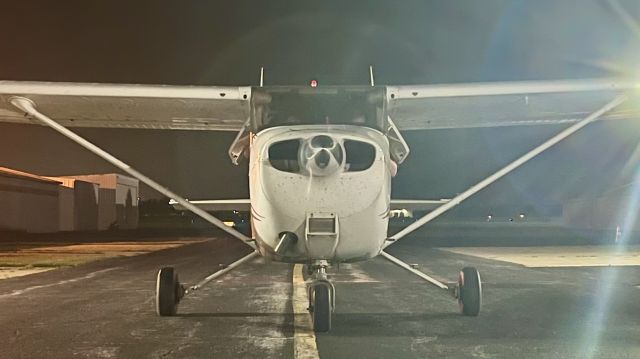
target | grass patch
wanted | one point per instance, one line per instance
(20, 257)
(39, 256)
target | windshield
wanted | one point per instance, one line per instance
(335, 106)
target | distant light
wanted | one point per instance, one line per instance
(400, 213)
(314, 83)
(521, 215)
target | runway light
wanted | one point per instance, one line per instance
(314, 83)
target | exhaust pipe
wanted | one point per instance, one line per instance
(287, 239)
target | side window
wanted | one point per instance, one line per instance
(283, 155)
(360, 155)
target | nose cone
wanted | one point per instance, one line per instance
(322, 158)
(322, 141)
(322, 155)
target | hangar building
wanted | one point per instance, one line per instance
(77, 204)
(33, 203)
(29, 203)
(118, 197)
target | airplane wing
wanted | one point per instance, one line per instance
(130, 106)
(244, 205)
(420, 107)
(411, 107)
(417, 204)
(211, 205)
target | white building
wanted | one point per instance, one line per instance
(119, 192)
(77, 204)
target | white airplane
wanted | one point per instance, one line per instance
(321, 158)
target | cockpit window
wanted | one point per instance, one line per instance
(360, 155)
(283, 155)
(281, 106)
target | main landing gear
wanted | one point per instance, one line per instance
(322, 297)
(469, 291)
(169, 291)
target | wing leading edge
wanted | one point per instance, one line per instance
(495, 104)
(212, 205)
(130, 106)
(413, 107)
(244, 205)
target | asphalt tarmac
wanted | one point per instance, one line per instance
(105, 309)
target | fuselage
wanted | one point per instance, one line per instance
(326, 186)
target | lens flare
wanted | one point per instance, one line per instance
(596, 323)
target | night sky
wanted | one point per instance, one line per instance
(407, 42)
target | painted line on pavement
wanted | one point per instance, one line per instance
(66, 281)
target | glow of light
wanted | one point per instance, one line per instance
(314, 83)
(595, 322)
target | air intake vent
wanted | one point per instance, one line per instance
(322, 225)
(283, 155)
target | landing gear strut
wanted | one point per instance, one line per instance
(468, 290)
(322, 297)
(169, 291)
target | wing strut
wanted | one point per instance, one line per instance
(29, 107)
(507, 169)
(420, 274)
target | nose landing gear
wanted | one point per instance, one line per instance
(322, 297)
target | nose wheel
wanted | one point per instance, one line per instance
(321, 299)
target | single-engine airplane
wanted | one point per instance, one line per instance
(321, 158)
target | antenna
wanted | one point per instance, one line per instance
(261, 76)
(373, 82)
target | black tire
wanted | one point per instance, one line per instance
(168, 292)
(321, 308)
(470, 296)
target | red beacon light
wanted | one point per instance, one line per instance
(314, 83)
